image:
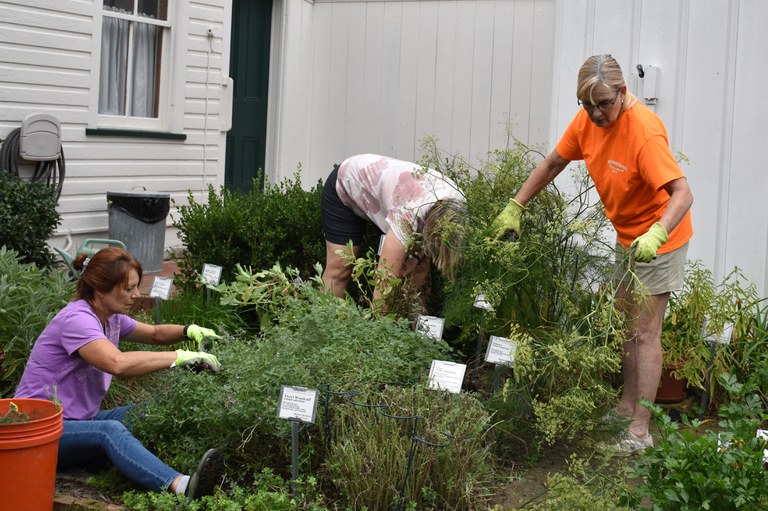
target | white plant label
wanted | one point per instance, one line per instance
(480, 303)
(211, 274)
(501, 351)
(445, 375)
(161, 288)
(297, 403)
(432, 326)
(763, 433)
(723, 338)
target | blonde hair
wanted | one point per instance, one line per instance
(598, 70)
(443, 235)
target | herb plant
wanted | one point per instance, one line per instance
(697, 466)
(318, 339)
(550, 292)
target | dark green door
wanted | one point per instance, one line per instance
(249, 69)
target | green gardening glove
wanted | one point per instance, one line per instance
(508, 222)
(198, 333)
(196, 360)
(644, 248)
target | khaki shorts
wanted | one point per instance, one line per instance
(662, 275)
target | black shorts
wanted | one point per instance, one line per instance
(339, 222)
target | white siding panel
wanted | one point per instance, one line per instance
(407, 83)
(747, 227)
(387, 74)
(425, 105)
(445, 72)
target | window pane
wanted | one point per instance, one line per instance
(156, 9)
(117, 5)
(146, 52)
(112, 78)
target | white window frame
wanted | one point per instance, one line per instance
(168, 119)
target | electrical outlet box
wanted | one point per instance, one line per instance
(651, 84)
(40, 138)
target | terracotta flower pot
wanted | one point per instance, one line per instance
(28, 454)
(671, 390)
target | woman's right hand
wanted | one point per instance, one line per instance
(197, 359)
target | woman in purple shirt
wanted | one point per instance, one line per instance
(76, 356)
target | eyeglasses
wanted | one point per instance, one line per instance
(604, 106)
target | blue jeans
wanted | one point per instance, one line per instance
(107, 435)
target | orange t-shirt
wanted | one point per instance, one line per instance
(629, 162)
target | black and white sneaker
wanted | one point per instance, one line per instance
(207, 475)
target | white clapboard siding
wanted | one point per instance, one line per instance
(379, 76)
(711, 56)
(47, 64)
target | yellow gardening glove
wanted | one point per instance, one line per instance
(198, 333)
(197, 360)
(508, 222)
(644, 248)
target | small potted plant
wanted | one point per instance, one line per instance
(699, 317)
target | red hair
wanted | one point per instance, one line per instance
(109, 267)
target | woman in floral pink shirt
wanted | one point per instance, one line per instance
(407, 202)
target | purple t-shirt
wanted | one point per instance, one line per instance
(55, 361)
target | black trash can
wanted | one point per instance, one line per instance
(138, 220)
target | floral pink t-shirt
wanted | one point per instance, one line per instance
(393, 194)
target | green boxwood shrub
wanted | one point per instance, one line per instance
(280, 224)
(28, 218)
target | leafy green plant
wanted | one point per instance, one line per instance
(28, 218)
(550, 292)
(318, 339)
(445, 438)
(251, 229)
(13, 415)
(29, 298)
(268, 492)
(746, 357)
(697, 467)
(584, 487)
(266, 292)
(703, 308)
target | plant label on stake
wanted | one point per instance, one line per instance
(297, 403)
(723, 338)
(160, 290)
(211, 277)
(501, 351)
(446, 375)
(480, 303)
(431, 326)
(211, 274)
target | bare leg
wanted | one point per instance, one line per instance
(642, 359)
(337, 273)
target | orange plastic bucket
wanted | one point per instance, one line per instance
(28, 454)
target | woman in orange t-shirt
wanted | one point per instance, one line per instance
(647, 199)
